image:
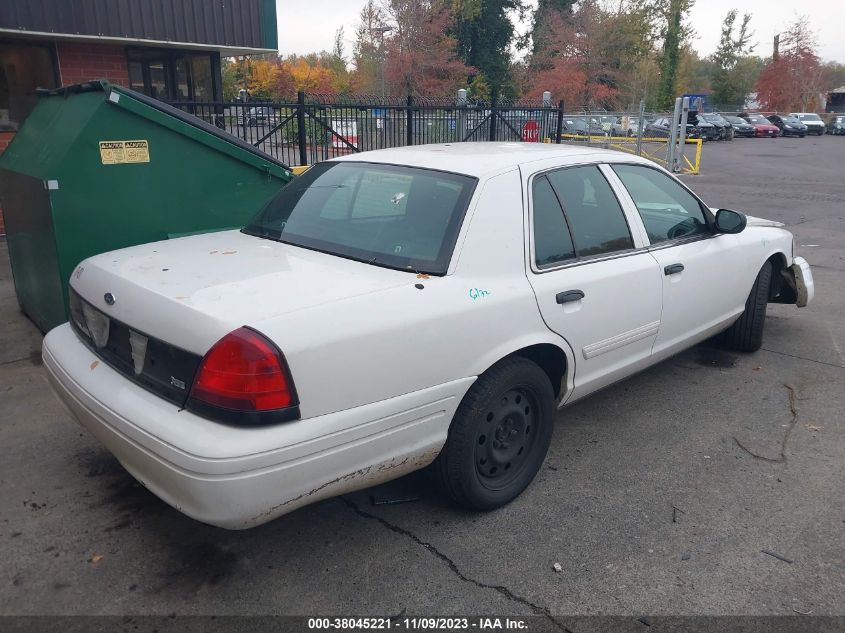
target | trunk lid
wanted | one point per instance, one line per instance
(191, 291)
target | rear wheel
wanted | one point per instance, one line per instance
(746, 334)
(499, 436)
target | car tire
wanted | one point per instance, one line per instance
(499, 436)
(746, 334)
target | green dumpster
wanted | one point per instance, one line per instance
(97, 167)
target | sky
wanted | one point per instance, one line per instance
(306, 27)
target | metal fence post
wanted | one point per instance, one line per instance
(409, 121)
(559, 130)
(547, 113)
(673, 135)
(300, 121)
(494, 102)
(640, 125)
(462, 114)
(682, 135)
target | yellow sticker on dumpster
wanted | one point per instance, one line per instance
(119, 152)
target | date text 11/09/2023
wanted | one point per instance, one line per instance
(418, 624)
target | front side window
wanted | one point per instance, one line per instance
(668, 211)
(595, 218)
(399, 217)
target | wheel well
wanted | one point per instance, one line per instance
(550, 359)
(780, 289)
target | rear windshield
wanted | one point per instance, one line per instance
(809, 117)
(387, 215)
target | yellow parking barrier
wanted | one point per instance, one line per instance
(629, 144)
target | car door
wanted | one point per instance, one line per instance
(594, 286)
(702, 288)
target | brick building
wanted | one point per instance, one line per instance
(169, 50)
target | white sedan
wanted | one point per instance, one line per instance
(402, 308)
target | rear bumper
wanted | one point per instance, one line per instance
(805, 288)
(239, 477)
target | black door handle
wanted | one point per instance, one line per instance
(569, 295)
(673, 269)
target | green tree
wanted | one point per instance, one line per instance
(694, 73)
(675, 32)
(229, 72)
(726, 83)
(483, 33)
(367, 51)
(336, 62)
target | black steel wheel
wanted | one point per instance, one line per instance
(504, 441)
(499, 436)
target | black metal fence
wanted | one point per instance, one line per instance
(319, 127)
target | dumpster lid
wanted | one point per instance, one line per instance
(163, 114)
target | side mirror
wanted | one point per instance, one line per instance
(728, 221)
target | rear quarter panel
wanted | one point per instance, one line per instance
(366, 349)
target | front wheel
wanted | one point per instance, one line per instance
(499, 436)
(746, 334)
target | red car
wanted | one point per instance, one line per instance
(762, 126)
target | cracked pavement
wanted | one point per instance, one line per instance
(646, 500)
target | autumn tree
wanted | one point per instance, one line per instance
(311, 73)
(733, 46)
(794, 77)
(420, 53)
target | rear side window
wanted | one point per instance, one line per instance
(668, 211)
(595, 218)
(552, 242)
(387, 215)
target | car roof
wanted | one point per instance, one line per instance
(485, 158)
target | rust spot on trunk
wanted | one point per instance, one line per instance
(94, 365)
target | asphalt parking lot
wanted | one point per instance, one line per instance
(646, 500)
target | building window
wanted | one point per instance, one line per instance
(23, 68)
(173, 75)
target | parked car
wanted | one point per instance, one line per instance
(788, 125)
(659, 128)
(706, 130)
(762, 126)
(628, 126)
(836, 125)
(740, 126)
(582, 126)
(261, 115)
(606, 122)
(813, 121)
(388, 310)
(721, 124)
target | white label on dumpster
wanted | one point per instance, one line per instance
(119, 152)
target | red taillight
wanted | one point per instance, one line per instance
(243, 372)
